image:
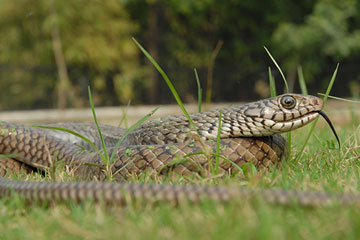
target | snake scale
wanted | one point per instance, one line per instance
(249, 133)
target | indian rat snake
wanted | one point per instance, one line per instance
(249, 133)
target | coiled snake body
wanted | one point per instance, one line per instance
(249, 133)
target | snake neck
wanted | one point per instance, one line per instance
(257, 119)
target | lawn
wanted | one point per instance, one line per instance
(321, 168)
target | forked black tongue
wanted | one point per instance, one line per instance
(331, 126)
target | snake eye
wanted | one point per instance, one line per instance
(288, 102)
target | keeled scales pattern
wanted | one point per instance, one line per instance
(154, 145)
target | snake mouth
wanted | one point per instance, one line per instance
(327, 119)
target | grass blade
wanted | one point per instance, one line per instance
(287, 91)
(12, 155)
(231, 162)
(106, 156)
(315, 121)
(72, 133)
(272, 84)
(302, 80)
(218, 144)
(124, 115)
(199, 90)
(129, 130)
(340, 99)
(168, 82)
(289, 141)
(278, 67)
(331, 84)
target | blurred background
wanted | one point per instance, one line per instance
(52, 50)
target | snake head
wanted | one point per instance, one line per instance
(282, 113)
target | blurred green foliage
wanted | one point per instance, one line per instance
(96, 40)
(330, 31)
(98, 50)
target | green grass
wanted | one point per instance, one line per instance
(319, 168)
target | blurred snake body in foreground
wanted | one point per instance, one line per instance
(248, 133)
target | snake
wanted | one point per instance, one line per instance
(224, 139)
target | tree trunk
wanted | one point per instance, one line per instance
(63, 86)
(154, 52)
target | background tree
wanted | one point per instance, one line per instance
(223, 39)
(328, 35)
(96, 44)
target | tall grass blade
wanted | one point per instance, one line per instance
(287, 91)
(278, 67)
(199, 90)
(302, 80)
(168, 82)
(331, 83)
(106, 156)
(272, 84)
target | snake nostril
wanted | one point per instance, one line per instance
(315, 102)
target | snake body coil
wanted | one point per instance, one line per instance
(167, 146)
